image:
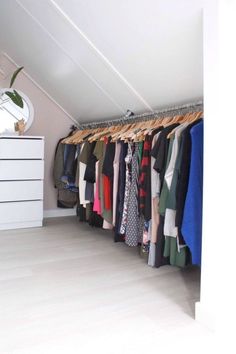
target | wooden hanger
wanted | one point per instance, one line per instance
(174, 130)
(186, 117)
(182, 119)
(138, 127)
(90, 134)
(149, 128)
(158, 123)
(75, 136)
(94, 133)
(176, 120)
(118, 135)
(167, 121)
(130, 133)
(108, 133)
(82, 137)
(195, 117)
(68, 139)
(125, 135)
(154, 124)
(97, 134)
(144, 126)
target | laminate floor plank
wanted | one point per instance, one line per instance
(68, 288)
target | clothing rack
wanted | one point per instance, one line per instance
(166, 112)
(140, 179)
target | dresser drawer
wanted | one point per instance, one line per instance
(20, 212)
(21, 169)
(20, 190)
(21, 148)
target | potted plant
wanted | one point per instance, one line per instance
(14, 95)
(16, 98)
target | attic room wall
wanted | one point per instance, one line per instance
(49, 121)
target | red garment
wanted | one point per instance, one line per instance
(107, 192)
(143, 177)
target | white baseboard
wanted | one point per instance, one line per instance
(55, 213)
(204, 316)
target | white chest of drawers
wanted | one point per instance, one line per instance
(21, 181)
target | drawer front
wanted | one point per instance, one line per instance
(21, 169)
(20, 190)
(14, 212)
(21, 149)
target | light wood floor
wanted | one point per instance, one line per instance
(68, 288)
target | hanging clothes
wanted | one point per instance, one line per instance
(90, 175)
(68, 175)
(128, 160)
(82, 158)
(161, 150)
(145, 180)
(192, 217)
(66, 197)
(107, 171)
(99, 152)
(116, 166)
(155, 196)
(133, 229)
(58, 166)
(183, 178)
(178, 256)
(86, 159)
(97, 202)
(118, 237)
(143, 190)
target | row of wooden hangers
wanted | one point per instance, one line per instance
(136, 131)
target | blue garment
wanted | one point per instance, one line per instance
(69, 163)
(192, 217)
(71, 187)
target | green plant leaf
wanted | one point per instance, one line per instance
(15, 75)
(15, 97)
(10, 94)
(19, 99)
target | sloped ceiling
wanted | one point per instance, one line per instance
(98, 58)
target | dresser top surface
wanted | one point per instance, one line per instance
(32, 137)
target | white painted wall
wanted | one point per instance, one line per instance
(217, 303)
(50, 121)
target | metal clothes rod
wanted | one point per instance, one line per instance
(167, 112)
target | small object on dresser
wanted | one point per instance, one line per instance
(20, 126)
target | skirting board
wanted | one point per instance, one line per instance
(204, 316)
(55, 213)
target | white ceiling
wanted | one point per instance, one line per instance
(98, 58)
